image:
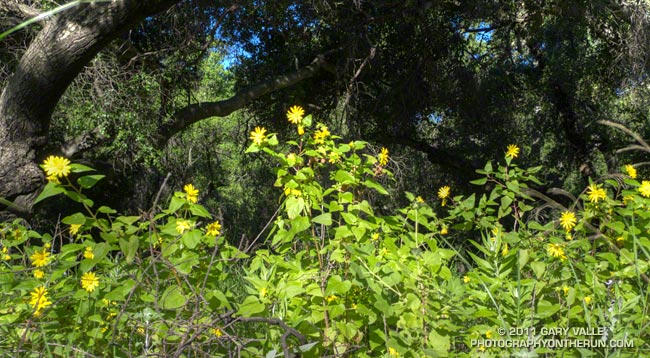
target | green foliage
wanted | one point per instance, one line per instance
(447, 276)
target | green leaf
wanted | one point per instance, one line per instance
(129, 248)
(80, 198)
(480, 262)
(299, 224)
(546, 309)
(469, 202)
(221, 297)
(342, 232)
(175, 204)
(200, 211)
(186, 262)
(128, 220)
(440, 344)
(173, 298)
(250, 307)
(538, 268)
(51, 189)
(80, 168)
(8, 318)
(109, 237)
(344, 177)
(324, 219)
(253, 148)
(100, 251)
(106, 210)
(192, 238)
(119, 293)
(74, 219)
(445, 273)
(513, 186)
(336, 286)
(335, 206)
(481, 181)
(488, 168)
(374, 185)
(88, 181)
(273, 140)
(308, 346)
(307, 121)
(523, 258)
(505, 202)
(294, 206)
(290, 289)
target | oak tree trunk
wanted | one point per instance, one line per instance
(53, 60)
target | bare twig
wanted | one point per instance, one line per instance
(263, 229)
(627, 131)
(155, 202)
(288, 331)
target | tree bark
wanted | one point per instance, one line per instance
(55, 57)
(12, 14)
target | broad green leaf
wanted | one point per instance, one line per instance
(221, 297)
(109, 237)
(253, 148)
(290, 289)
(128, 220)
(129, 248)
(546, 309)
(469, 202)
(272, 140)
(200, 211)
(538, 268)
(74, 219)
(80, 168)
(186, 262)
(192, 238)
(344, 177)
(88, 181)
(294, 205)
(50, 189)
(307, 121)
(325, 219)
(299, 224)
(106, 210)
(358, 232)
(481, 181)
(336, 286)
(251, 306)
(374, 185)
(342, 232)
(488, 168)
(172, 298)
(175, 204)
(439, 343)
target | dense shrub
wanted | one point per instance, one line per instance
(448, 275)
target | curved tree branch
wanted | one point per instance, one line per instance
(193, 113)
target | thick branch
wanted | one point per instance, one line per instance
(12, 14)
(193, 113)
(481, 29)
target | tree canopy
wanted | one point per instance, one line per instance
(446, 81)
